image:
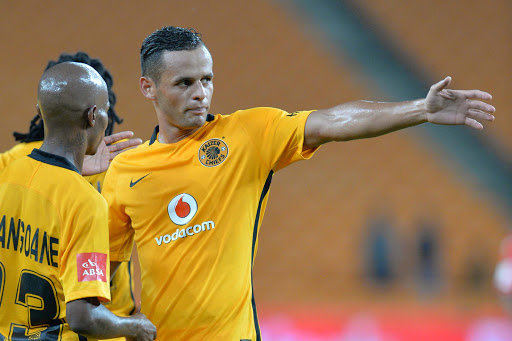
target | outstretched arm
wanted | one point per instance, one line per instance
(99, 162)
(363, 119)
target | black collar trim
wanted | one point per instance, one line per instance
(209, 117)
(52, 159)
(153, 137)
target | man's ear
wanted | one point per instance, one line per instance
(147, 87)
(91, 116)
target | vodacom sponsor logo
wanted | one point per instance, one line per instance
(182, 208)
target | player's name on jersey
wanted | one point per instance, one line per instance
(182, 233)
(17, 236)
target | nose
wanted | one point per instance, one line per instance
(199, 91)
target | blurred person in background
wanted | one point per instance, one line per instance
(503, 274)
(498, 328)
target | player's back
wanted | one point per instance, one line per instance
(45, 206)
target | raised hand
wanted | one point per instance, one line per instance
(108, 149)
(457, 107)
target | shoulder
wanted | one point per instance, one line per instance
(18, 169)
(86, 196)
(253, 115)
(24, 148)
(257, 111)
(16, 152)
(131, 155)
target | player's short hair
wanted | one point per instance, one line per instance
(36, 129)
(168, 38)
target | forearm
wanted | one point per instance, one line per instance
(89, 318)
(362, 119)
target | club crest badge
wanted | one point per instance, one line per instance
(213, 152)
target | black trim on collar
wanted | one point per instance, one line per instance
(209, 118)
(153, 137)
(52, 159)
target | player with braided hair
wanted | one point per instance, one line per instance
(92, 165)
(36, 132)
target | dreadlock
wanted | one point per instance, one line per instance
(36, 130)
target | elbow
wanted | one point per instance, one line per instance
(79, 316)
(80, 325)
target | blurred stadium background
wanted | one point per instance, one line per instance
(392, 238)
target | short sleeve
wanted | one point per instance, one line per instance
(278, 135)
(119, 223)
(84, 260)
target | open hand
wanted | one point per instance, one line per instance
(108, 149)
(457, 107)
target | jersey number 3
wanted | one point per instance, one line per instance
(38, 295)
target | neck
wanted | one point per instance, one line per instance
(172, 134)
(166, 136)
(72, 150)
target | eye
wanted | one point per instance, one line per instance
(185, 82)
(207, 79)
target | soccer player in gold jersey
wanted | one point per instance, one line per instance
(123, 302)
(54, 268)
(193, 197)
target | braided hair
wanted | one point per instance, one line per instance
(36, 130)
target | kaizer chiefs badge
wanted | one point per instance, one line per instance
(213, 152)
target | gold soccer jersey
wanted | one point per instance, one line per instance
(194, 208)
(53, 246)
(123, 302)
(16, 152)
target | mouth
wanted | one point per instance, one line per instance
(197, 110)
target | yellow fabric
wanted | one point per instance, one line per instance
(24, 148)
(19, 150)
(51, 219)
(197, 267)
(123, 303)
(121, 291)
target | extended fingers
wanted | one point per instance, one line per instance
(478, 94)
(124, 144)
(118, 137)
(480, 115)
(113, 154)
(479, 105)
(473, 123)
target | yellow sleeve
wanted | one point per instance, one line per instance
(121, 233)
(278, 135)
(83, 253)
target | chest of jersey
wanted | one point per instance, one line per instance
(200, 188)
